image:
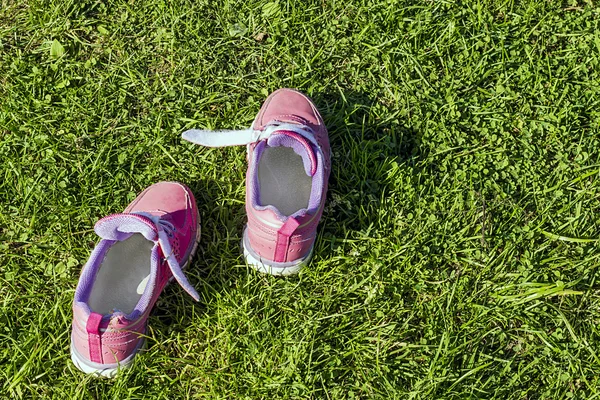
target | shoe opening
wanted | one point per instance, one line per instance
(282, 179)
(122, 276)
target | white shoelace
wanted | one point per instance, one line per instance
(223, 138)
(165, 230)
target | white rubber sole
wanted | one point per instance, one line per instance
(277, 269)
(99, 370)
(102, 371)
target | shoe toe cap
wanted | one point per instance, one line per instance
(290, 106)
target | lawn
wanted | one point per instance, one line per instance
(458, 256)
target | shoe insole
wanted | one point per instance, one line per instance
(122, 276)
(282, 180)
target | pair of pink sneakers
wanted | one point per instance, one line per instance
(142, 249)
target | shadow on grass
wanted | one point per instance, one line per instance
(367, 141)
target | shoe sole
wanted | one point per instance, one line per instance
(111, 371)
(269, 267)
(100, 370)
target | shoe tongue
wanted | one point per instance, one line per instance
(121, 226)
(300, 146)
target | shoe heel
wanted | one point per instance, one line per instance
(270, 267)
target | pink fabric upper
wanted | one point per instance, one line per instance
(109, 339)
(265, 232)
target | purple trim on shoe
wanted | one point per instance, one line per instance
(121, 226)
(88, 274)
(141, 308)
(300, 146)
(316, 192)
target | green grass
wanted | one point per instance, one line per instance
(458, 256)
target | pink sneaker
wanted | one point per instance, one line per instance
(286, 182)
(140, 251)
